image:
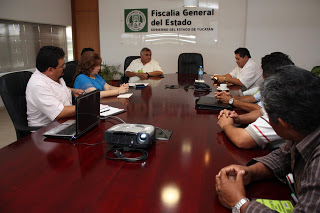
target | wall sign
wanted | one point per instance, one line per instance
(138, 20)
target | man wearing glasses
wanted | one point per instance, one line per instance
(48, 98)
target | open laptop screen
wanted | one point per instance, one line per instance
(88, 111)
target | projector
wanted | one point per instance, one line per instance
(130, 135)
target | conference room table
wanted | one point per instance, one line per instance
(40, 174)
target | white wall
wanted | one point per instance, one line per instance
(56, 12)
(263, 26)
(217, 59)
(289, 26)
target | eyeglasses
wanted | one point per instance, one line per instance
(61, 67)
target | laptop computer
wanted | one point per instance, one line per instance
(211, 103)
(87, 117)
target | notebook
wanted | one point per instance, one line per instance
(87, 117)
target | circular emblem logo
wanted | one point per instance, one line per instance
(136, 20)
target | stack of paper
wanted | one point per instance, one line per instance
(134, 84)
(106, 110)
(126, 95)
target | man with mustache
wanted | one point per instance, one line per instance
(48, 98)
(144, 67)
(247, 74)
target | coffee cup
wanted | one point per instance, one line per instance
(223, 87)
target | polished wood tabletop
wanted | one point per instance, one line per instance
(41, 174)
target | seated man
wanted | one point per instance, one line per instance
(247, 102)
(259, 132)
(292, 99)
(48, 98)
(143, 67)
(247, 74)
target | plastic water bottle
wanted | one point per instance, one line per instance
(200, 74)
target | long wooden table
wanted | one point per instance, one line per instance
(40, 174)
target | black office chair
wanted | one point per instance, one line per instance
(127, 62)
(12, 90)
(69, 72)
(189, 63)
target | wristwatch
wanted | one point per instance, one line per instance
(231, 101)
(237, 207)
(148, 74)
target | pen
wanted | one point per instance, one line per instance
(290, 181)
(294, 197)
(104, 110)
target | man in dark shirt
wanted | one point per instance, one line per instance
(292, 99)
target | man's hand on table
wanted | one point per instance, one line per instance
(230, 183)
(227, 117)
(223, 96)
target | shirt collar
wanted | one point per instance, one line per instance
(46, 78)
(247, 64)
(146, 63)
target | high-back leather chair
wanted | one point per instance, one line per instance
(127, 62)
(12, 90)
(189, 63)
(69, 72)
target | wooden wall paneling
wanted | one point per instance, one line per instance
(85, 26)
(85, 5)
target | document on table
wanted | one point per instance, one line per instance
(282, 206)
(134, 84)
(127, 95)
(106, 110)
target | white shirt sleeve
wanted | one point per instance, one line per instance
(257, 95)
(250, 74)
(251, 91)
(262, 132)
(134, 66)
(234, 72)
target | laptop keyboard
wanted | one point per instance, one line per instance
(70, 130)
